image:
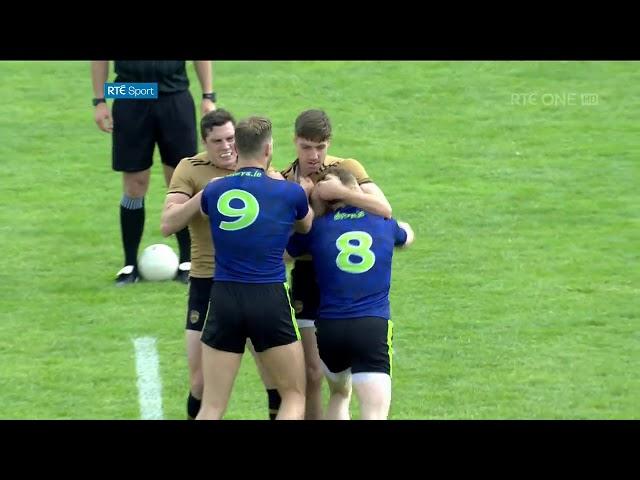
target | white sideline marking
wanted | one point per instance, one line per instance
(149, 386)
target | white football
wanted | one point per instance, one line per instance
(158, 263)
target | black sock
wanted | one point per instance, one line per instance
(193, 406)
(184, 244)
(274, 402)
(131, 227)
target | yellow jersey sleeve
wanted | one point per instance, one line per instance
(355, 167)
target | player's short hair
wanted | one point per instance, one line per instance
(313, 125)
(251, 135)
(215, 118)
(346, 177)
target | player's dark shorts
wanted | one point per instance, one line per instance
(305, 293)
(199, 295)
(363, 344)
(169, 121)
(259, 311)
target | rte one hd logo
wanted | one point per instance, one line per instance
(132, 91)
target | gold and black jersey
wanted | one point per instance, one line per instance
(191, 176)
(349, 164)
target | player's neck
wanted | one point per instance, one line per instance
(251, 163)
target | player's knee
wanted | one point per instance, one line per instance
(136, 186)
(341, 391)
(136, 191)
(341, 388)
(340, 383)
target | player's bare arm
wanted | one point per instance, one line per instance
(375, 199)
(202, 212)
(205, 77)
(320, 206)
(304, 225)
(178, 211)
(99, 75)
(369, 197)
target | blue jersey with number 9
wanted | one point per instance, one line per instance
(251, 217)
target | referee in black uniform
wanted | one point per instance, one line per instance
(137, 126)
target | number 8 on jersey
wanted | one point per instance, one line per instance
(362, 250)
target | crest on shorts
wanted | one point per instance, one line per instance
(298, 306)
(194, 316)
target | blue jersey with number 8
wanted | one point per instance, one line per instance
(352, 252)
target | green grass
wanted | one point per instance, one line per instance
(520, 298)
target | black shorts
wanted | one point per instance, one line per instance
(259, 311)
(305, 293)
(362, 344)
(169, 121)
(198, 303)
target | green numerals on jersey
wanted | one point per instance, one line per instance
(361, 250)
(246, 215)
